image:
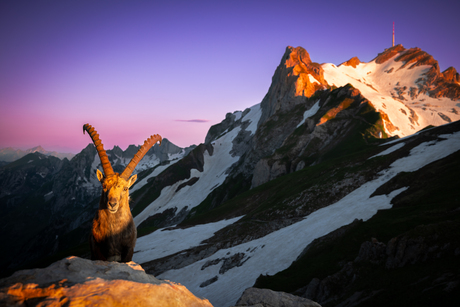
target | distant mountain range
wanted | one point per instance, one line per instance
(10, 154)
(339, 186)
(54, 197)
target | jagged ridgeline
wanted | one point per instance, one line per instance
(339, 186)
(56, 198)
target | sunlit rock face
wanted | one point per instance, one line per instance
(451, 75)
(434, 83)
(295, 79)
(353, 62)
(75, 281)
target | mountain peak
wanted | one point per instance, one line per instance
(295, 78)
(388, 54)
(296, 55)
(36, 149)
(416, 57)
(451, 75)
(353, 62)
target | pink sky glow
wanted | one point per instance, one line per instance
(136, 68)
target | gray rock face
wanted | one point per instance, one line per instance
(292, 82)
(82, 282)
(339, 115)
(268, 298)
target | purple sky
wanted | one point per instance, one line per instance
(136, 68)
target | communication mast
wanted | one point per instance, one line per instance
(393, 33)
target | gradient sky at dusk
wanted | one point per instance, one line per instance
(136, 68)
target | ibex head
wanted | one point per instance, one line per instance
(116, 186)
(115, 190)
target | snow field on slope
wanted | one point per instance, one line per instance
(376, 84)
(309, 113)
(253, 116)
(277, 250)
(163, 242)
(389, 150)
(173, 158)
(213, 175)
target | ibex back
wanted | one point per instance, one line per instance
(113, 234)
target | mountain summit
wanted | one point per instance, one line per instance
(405, 86)
(295, 78)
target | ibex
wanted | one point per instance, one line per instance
(113, 234)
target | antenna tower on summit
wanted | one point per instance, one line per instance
(393, 33)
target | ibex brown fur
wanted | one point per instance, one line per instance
(113, 235)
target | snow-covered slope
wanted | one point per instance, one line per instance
(396, 89)
(301, 117)
(276, 251)
(214, 172)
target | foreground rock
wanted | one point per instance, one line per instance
(75, 281)
(268, 298)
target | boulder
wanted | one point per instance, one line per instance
(75, 281)
(269, 298)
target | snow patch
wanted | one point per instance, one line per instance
(155, 173)
(277, 250)
(238, 115)
(253, 117)
(162, 243)
(309, 113)
(312, 79)
(389, 150)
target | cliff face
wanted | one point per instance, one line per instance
(295, 79)
(335, 118)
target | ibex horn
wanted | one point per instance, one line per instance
(139, 155)
(106, 166)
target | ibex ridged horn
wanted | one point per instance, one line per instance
(106, 166)
(139, 155)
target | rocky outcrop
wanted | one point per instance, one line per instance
(353, 62)
(295, 79)
(415, 57)
(388, 54)
(423, 243)
(75, 281)
(267, 298)
(451, 75)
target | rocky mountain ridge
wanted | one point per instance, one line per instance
(297, 132)
(57, 197)
(10, 154)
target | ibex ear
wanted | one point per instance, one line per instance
(132, 180)
(100, 176)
